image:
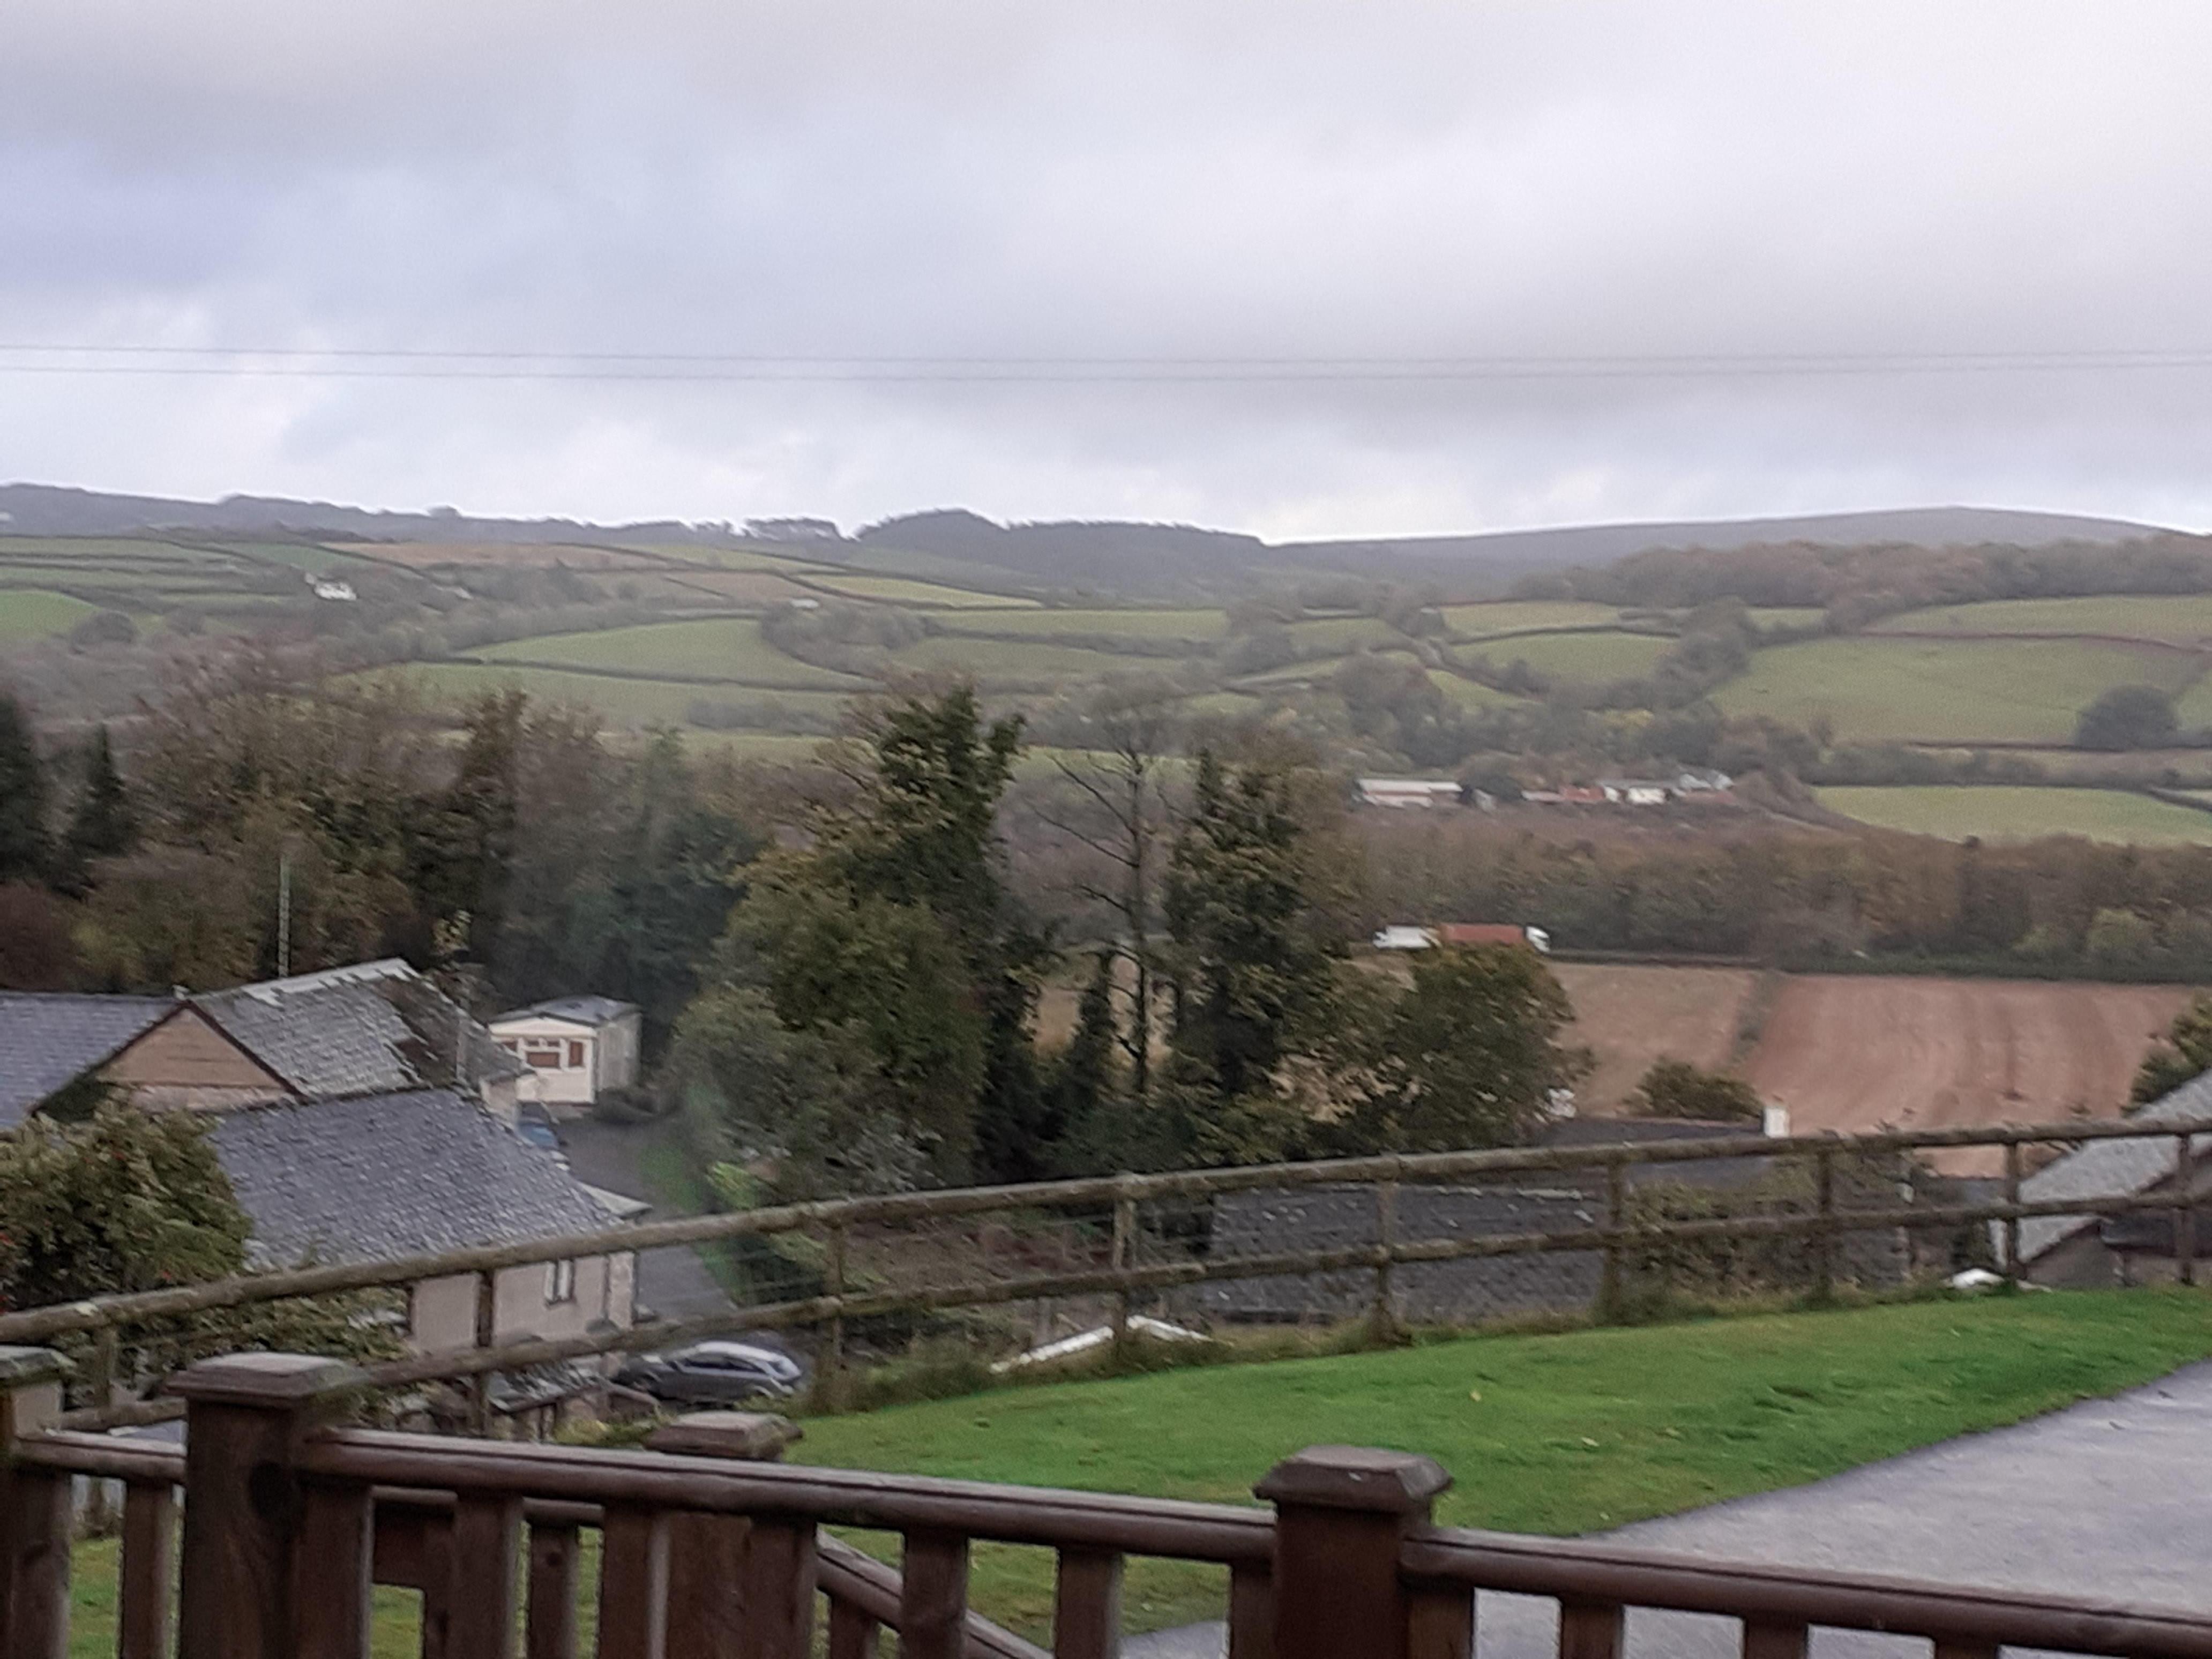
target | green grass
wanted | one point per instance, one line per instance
(1115, 624)
(2184, 618)
(1592, 658)
(1332, 634)
(32, 613)
(904, 590)
(727, 647)
(1468, 694)
(624, 702)
(2020, 812)
(1554, 1434)
(1474, 621)
(1785, 616)
(1943, 690)
(1029, 661)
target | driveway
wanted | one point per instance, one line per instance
(2111, 1499)
(673, 1282)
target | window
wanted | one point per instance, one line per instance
(507, 1043)
(560, 1281)
(576, 1056)
(543, 1056)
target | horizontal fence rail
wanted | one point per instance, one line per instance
(1112, 1273)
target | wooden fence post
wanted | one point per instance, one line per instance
(1384, 1315)
(1125, 1235)
(1341, 1513)
(1616, 1218)
(709, 1555)
(486, 1336)
(34, 1512)
(1824, 1238)
(2184, 1213)
(829, 1374)
(246, 1416)
(2012, 1160)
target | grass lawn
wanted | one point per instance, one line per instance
(1549, 1434)
(1952, 690)
(1474, 621)
(2019, 812)
(1592, 658)
(1554, 1434)
(727, 647)
(32, 613)
(2183, 617)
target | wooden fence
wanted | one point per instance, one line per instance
(289, 1518)
(1105, 1211)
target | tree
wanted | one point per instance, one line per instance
(1250, 970)
(1086, 1080)
(1674, 1088)
(2127, 717)
(102, 826)
(1120, 783)
(25, 851)
(2184, 1055)
(1467, 1056)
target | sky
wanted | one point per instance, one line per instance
(1112, 258)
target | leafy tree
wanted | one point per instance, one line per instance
(102, 826)
(24, 848)
(1674, 1088)
(2127, 717)
(37, 951)
(2185, 1055)
(162, 917)
(1467, 1056)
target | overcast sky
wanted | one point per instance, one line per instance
(1113, 180)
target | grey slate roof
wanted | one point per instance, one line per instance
(373, 1028)
(583, 1009)
(46, 1039)
(368, 1180)
(2110, 1169)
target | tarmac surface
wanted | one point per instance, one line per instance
(2111, 1499)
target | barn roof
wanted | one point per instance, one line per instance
(48, 1039)
(2112, 1169)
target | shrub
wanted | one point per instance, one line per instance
(1674, 1088)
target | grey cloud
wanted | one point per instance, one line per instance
(1199, 177)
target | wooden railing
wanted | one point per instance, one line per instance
(289, 1519)
(1107, 1209)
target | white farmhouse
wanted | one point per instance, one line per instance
(576, 1047)
(1410, 792)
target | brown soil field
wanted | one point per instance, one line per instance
(1631, 1015)
(1851, 1053)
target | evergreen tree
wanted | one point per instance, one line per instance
(102, 826)
(25, 850)
(1086, 1078)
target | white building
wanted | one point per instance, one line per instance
(576, 1047)
(1409, 792)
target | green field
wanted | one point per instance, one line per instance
(2019, 812)
(1111, 624)
(1467, 693)
(1782, 615)
(903, 590)
(32, 613)
(2184, 618)
(1327, 636)
(1943, 691)
(1474, 621)
(1029, 662)
(1592, 658)
(725, 648)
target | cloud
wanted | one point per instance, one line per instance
(1393, 179)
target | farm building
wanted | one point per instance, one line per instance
(1410, 792)
(576, 1047)
(2077, 1252)
(1402, 936)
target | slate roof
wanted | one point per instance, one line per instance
(48, 1038)
(581, 1009)
(373, 1028)
(370, 1179)
(2111, 1169)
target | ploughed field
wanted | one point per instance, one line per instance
(1857, 1052)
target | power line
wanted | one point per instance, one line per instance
(347, 362)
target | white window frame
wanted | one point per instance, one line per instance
(560, 1282)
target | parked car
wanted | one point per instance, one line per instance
(535, 1126)
(713, 1374)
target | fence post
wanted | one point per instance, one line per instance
(829, 1374)
(1125, 1231)
(1824, 1239)
(487, 1334)
(1616, 1217)
(1341, 1513)
(1383, 1317)
(2185, 1212)
(709, 1554)
(2012, 1160)
(34, 1512)
(245, 1417)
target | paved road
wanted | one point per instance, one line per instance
(674, 1283)
(2111, 1498)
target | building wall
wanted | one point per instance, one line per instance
(619, 1043)
(185, 1063)
(566, 1084)
(443, 1314)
